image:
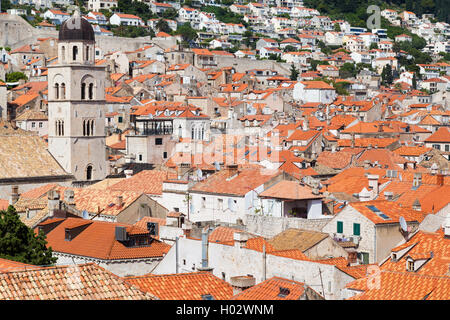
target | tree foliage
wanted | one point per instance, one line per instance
(294, 73)
(20, 243)
(132, 32)
(15, 76)
(187, 32)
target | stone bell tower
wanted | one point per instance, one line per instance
(76, 103)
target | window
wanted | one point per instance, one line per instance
(91, 91)
(56, 91)
(83, 91)
(63, 91)
(67, 236)
(120, 119)
(447, 147)
(203, 202)
(87, 53)
(340, 227)
(33, 124)
(437, 146)
(165, 155)
(410, 265)
(40, 124)
(356, 229)
(74, 53)
(140, 157)
(89, 172)
(220, 204)
(158, 141)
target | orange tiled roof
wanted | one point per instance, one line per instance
(441, 135)
(147, 181)
(245, 181)
(83, 281)
(97, 240)
(391, 209)
(183, 286)
(270, 290)
(289, 190)
(403, 286)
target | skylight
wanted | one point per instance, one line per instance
(378, 212)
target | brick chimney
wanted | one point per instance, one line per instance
(119, 201)
(417, 180)
(14, 197)
(231, 171)
(69, 196)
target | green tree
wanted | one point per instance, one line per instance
(20, 243)
(163, 26)
(187, 32)
(170, 13)
(386, 75)
(373, 45)
(337, 27)
(15, 76)
(348, 70)
(6, 4)
(414, 82)
(294, 73)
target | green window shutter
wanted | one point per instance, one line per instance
(340, 227)
(356, 229)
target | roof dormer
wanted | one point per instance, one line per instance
(415, 261)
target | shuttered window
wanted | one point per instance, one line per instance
(340, 227)
(356, 229)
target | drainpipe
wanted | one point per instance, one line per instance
(264, 263)
(176, 255)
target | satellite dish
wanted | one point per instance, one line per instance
(199, 173)
(85, 214)
(403, 224)
(231, 204)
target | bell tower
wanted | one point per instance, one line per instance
(76, 103)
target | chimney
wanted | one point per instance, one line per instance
(373, 183)
(204, 267)
(231, 171)
(119, 201)
(69, 196)
(388, 195)
(54, 202)
(447, 228)
(417, 180)
(186, 227)
(416, 205)
(366, 164)
(241, 283)
(240, 239)
(128, 173)
(14, 197)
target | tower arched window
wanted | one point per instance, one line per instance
(92, 127)
(202, 133)
(89, 172)
(62, 127)
(56, 91)
(63, 53)
(84, 128)
(83, 91)
(74, 53)
(87, 53)
(91, 91)
(63, 91)
(192, 132)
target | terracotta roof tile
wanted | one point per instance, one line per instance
(84, 281)
(183, 286)
(97, 240)
(270, 290)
